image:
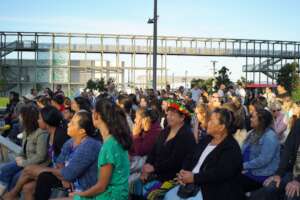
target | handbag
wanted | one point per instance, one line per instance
(188, 190)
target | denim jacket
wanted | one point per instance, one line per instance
(264, 154)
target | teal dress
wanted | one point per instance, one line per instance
(113, 153)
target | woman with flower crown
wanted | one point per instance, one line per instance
(165, 160)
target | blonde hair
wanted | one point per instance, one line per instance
(203, 109)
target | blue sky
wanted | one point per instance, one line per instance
(254, 19)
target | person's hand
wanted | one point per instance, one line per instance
(19, 161)
(137, 128)
(72, 194)
(187, 176)
(178, 179)
(67, 185)
(292, 189)
(148, 168)
(271, 179)
(34, 170)
(144, 177)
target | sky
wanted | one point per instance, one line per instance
(250, 19)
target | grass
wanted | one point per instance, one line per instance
(3, 101)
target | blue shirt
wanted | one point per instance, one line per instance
(80, 162)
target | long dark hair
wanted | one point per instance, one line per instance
(115, 119)
(52, 116)
(30, 116)
(83, 103)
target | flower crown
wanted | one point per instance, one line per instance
(172, 103)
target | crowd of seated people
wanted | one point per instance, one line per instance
(165, 144)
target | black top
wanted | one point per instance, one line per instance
(167, 157)
(219, 173)
(60, 137)
(289, 154)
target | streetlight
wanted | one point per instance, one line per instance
(154, 22)
(214, 71)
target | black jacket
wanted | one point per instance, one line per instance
(289, 154)
(60, 137)
(219, 173)
(168, 157)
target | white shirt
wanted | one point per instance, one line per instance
(209, 148)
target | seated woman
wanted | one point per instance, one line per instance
(201, 120)
(34, 148)
(261, 151)
(126, 105)
(146, 129)
(51, 120)
(166, 158)
(280, 124)
(239, 122)
(76, 166)
(113, 161)
(80, 103)
(215, 166)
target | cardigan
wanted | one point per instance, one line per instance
(143, 144)
(219, 173)
(167, 157)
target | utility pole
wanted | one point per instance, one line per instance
(154, 22)
(185, 79)
(214, 71)
(214, 67)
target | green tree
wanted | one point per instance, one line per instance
(222, 77)
(242, 81)
(96, 85)
(288, 76)
(205, 84)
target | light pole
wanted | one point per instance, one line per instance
(154, 22)
(214, 67)
(214, 71)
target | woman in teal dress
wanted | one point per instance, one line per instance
(113, 162)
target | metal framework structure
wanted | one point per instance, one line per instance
(54, 52)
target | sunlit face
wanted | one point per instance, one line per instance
(254, 120)
(174, 118)
(75, 106)
(164, 105)
(214, 127)
(251, 109)
(143, 103)
(68, 115)
(74, 129)
(201, 115)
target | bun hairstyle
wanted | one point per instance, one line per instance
(226, 117)
(86, 122)
(115, 119)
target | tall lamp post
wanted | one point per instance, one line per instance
(214, 71)
(154, 22)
